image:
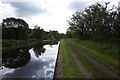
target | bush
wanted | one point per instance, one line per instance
(32, 40)
(17, 43)
(6, 43)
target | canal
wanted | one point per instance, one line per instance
(35, 62)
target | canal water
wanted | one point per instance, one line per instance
(36, 62)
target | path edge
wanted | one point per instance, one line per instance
(58, 65)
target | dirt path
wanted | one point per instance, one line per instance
(58, 68)
(80, 66)
(103, 67)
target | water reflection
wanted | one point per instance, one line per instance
(40, 63)
(20, 57)
(16, 58)
(38, 49)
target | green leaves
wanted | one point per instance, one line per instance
(37, 33)
(97, 22)
(13, 28)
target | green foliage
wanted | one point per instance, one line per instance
(32, 40)
(16, 32)
(62, 35)
(53, 35)
(13, 43)
(72, 34)
(6, 44)
(37, 33)
(14, 29)
(97, 23)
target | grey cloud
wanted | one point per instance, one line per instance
(78, 6)
(26, 9)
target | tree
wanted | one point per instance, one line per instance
(71, 33)
(13, 28)
(37, 33)
(52, 35)
(97, 22)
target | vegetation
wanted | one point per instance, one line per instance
(97, 22)
(97, 29)
(71, 34)
(37, 33)
(16, 43)
(52, 35)
(69, 71)
(14, 29)
(95, 70)
(16, 33)
(103, 52)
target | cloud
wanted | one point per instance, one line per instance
(6, 11)
(26, 9)
(78, 6)
(48, 14)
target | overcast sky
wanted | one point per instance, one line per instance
(48, 14)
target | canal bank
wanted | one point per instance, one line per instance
(58, 66)
(7, 49)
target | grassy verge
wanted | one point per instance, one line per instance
(95, 71)
(104, 53)
(69, 66)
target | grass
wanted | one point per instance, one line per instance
(102, 52)
(70, 69)
(16, 43)
(9, 45)
(93, 69)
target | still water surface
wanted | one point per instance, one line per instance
(39, 62)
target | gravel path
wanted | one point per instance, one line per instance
(80, 66)
(100, 65)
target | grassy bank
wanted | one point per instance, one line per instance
(16, 43)
(93, 69)
(106, 53)
(8, 45)
(70, 69)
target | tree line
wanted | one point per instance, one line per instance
(18, 29)
(97, 22)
